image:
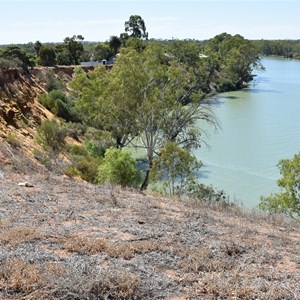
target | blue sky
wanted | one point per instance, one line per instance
(51, 21)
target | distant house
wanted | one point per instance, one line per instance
(104, 62)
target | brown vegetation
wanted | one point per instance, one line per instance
(65, 239)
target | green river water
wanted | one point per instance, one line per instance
(259, 126)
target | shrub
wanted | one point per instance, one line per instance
(83, 164)
(13, 140)
(53, 83)
(175, 168)
(97, 141)
(88, 167)
(119, 168)
(60, 105)
(50, 136)
(286, 201)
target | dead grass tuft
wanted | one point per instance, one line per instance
(128, 250)
(14, 236)
(203, 260)
(117, 285)
(17, 276)
(84, 245)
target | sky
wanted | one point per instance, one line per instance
(51, 21)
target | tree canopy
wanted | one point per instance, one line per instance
(136, 26)
(142, 99)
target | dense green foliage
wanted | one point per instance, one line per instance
(50, 136)
(136, 26)
(286, 201)
(142, 99)
(60, 105)
(14, 56)
(118, 168)
(153, 94)
(47, 55)
(70, 51)
(176, 168)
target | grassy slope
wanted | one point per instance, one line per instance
(65, 239)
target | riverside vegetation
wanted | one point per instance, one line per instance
(65, 238)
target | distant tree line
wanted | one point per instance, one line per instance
(284, 48)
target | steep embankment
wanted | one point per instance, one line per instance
(19, 107)
(20, 111)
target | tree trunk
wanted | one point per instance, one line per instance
(146, 180)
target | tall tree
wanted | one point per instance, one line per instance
(15, 52)
(70, 51)
(115, 43)
(142, 98)
(136, 26)
(37, 47)
(47, 56)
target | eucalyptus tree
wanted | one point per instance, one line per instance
(234, 59)
(115, 43)
(47, 56)
(142, 101)
(136, 26)
(70, 51)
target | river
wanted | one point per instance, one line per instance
(259, 126)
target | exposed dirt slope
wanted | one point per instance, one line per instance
(19, 108)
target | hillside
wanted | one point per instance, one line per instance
(65, 239)
(62, 238)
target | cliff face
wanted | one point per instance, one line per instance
(20, 109)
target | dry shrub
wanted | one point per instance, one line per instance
(19, 276)
(203, 260)
(234, 249)
(223, 286)
(129, 249)
(14, 236)
(117, 285)
(85, 245)
(124, 250)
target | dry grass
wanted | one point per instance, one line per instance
(85, 245)
(64, 239)
(13, 236)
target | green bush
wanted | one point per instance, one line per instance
(287, 200)
(50, 136)
(97, 141)
(83, 165)
(175, 168)
(60, 105)
(54, 83)
(78, 150)
(88, 168)
(119, 168)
